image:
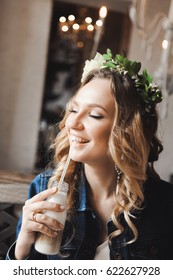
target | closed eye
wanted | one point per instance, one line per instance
(90, 115)
(72, 111)
(96, 116)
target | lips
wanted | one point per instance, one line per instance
(78, 139)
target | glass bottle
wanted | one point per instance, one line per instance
(51, 245)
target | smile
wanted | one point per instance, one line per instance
(78, 139)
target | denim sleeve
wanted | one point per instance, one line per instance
(34, 255)
(37, 185)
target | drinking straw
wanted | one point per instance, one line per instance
(65, 169)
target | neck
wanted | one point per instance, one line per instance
(101, 178)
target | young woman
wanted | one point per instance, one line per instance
(118, 207)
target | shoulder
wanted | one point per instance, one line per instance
(154, 184)
(159, 192)
(39, 183)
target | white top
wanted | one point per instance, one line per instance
(102, 252)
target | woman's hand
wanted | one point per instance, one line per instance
(40, 223)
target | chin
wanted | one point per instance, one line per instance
(77, 159)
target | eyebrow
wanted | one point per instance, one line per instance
(92, 105)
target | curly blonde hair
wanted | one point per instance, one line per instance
(133, 146)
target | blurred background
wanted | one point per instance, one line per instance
(43, 46)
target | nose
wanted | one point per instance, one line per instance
(75, 122)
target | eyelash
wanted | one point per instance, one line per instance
(96, 117)
(91, 116)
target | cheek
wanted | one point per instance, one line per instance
(102, 135)
(67, 123)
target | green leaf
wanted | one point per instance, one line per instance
(136, 67)
(147, 77)
(109, 53)
(119, 58)
(106, 57)
(110, 64)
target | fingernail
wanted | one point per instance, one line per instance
(61, 226)
(54, 189)
(62, 207)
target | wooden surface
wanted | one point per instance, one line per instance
(14, 187)
(8, 176)
(13, 194)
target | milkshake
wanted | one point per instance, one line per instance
(50, 245)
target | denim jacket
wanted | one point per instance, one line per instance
(154, 224)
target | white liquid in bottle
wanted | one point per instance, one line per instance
(50, 245)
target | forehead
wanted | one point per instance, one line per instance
(97, 91)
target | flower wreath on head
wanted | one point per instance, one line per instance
(149, 92)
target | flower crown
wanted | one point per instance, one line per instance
(149, 92)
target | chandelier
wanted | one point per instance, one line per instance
(83, 27)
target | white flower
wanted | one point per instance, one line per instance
(93, 64)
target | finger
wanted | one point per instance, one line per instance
(42, 195)
(40, 206)
(32, 227)
(46, 230)
(48, 221)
